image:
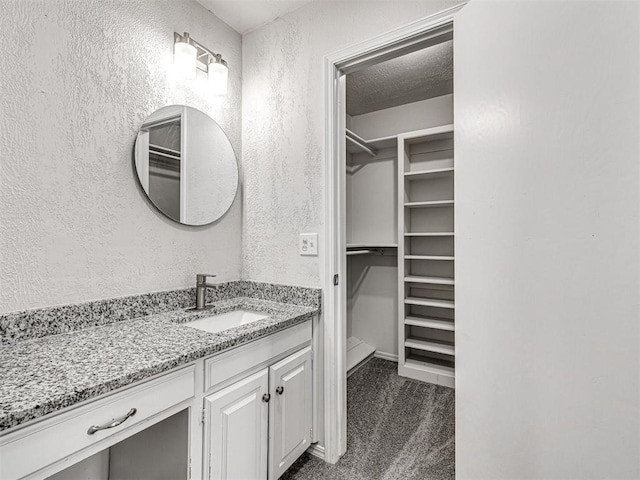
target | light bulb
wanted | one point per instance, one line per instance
(184, 59)
(218, 76)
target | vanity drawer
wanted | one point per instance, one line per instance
(227, 365)
(46, 442)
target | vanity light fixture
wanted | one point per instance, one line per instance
(190, 56)
(185, 56)
(218, 75)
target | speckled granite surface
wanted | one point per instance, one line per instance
(309, 297)
(397, 428)
(36, 323)
(42, 375)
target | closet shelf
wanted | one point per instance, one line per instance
(429, 234)
(423, 174)
(430, 365)
(378, 250)
(372, 245)
(430, 204)
(356, 144)
(430, 322)
(429, 257)
(433, 346)
(429, 134)
(384, 142)
(429, 280)
(357, 352)
(430, 302)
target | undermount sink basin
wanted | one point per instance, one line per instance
(225, 321)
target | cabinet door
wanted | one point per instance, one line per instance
(236, 433)
(290, 411)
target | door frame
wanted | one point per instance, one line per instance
(409, 38)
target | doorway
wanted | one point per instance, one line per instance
(419, 35)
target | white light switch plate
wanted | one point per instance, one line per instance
(308, 244)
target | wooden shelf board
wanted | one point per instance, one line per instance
(372, 245)
(384, 142)
(433, 346)
(430, 322)
(429, 280)
(430, 204)
(357, 352)
(428, 365)
(429, 257)
(423, 174)
(428, 134)
(429, 234)
(430, 302)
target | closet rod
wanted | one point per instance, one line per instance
(153, 146)
(165, 155)
(367, 251)
(360, 143)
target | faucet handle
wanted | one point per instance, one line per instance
(202, 277)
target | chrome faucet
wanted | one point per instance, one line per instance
(201, 289)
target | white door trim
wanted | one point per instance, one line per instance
(411, 37)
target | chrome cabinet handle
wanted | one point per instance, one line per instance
(266, 397)
(114, 423)
(280, 390)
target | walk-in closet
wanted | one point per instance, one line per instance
(400, 214)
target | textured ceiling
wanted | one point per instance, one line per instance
(246, 15)
(413, 77)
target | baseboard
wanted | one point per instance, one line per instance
(316, 450)
(386, 356)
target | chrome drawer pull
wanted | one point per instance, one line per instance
(114, 423)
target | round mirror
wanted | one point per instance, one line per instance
(186, 165)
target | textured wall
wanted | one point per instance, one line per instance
(78, 79)
(283, 126)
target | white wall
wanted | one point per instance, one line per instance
(78, 79)
(372, 280)
(372, 300)
(284, 123)
(547, 116)
(404, 118)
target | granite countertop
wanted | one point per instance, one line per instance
(43, 375)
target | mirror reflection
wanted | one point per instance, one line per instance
(186, 165)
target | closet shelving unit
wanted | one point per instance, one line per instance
(426, 255)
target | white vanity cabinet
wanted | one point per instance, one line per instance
(54, 443)
(243, 414)
(290, 411)
(237, 429)
(258, 425)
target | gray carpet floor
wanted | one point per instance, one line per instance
(397, 428)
